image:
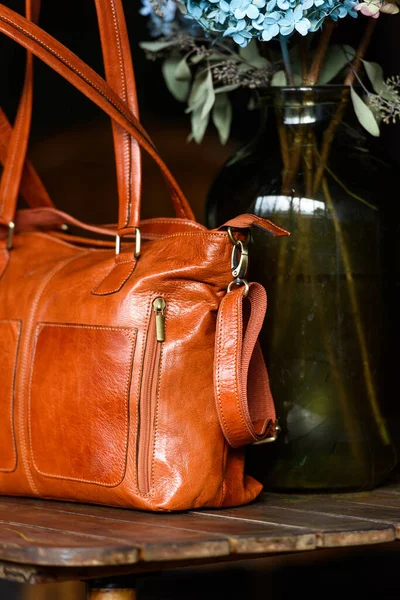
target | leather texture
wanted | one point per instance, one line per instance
(125, 380)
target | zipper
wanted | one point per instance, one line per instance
(148, 397)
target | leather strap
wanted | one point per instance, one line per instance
(248, 220)
(243, 397)
(119, 73)
(18, 140)
(31, 188)
(49, 217)
(120, 76)
(92, 85)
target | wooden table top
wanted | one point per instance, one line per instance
(47, 541)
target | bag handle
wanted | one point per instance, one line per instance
(16, 145)
(31, 186)
(93, 86)
(119, 73)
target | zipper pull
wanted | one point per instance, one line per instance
(159, 305)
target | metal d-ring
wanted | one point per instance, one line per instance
(234, 241)
(240, 282)
(138, 243)
(10, 237)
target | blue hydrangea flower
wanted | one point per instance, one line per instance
(243, 20)
(160, 25)
(294, 19)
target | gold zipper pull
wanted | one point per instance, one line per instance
(159, 309)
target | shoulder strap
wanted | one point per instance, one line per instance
(243, 397)
(94, 87)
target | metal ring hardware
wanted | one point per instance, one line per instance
(234, 241)
(240, 282)
(271, 439)
(10, 237)
(138, 243)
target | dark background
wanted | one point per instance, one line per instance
(71, 146)
(71, 140)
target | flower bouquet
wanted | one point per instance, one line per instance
(210, 48)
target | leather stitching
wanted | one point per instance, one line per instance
(120, 285)
(16, 147)
(238, 366)
(145, 139)
(82, 75)
(24, 366)
(218, 378)
(131, 334)
(12, 422)
(139, 385)
(173, 221)
(218, 386)
(125, 134)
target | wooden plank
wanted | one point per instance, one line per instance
(335, 505)
(332, 529)
(108, 542)
(244, 538)
(41, 546)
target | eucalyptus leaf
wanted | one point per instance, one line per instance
(179, 89)
(375, 75)
(279, 79)
(222, 117)
(209, 96)
(252, 55)
(155, 46)
(182, 71)
(337, 57)
(198, 92)
(199, 125)
(364, 114)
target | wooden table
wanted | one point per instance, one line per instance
(44, 541)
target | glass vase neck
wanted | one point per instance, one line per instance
(305, 105)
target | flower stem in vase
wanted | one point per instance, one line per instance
(369, 379)
(310, 79)
(313, 75)
(338, 116)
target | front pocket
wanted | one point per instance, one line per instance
(148, 394)
(79, 402)
(10, 332)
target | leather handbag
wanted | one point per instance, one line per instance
(131, 373)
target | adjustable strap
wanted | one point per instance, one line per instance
(243, 397)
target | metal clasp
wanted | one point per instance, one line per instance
(271, 439)
(239, 261)
(10, 237)
(138, 243)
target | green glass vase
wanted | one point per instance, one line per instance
(332, 323)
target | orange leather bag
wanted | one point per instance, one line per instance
(130, 373)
